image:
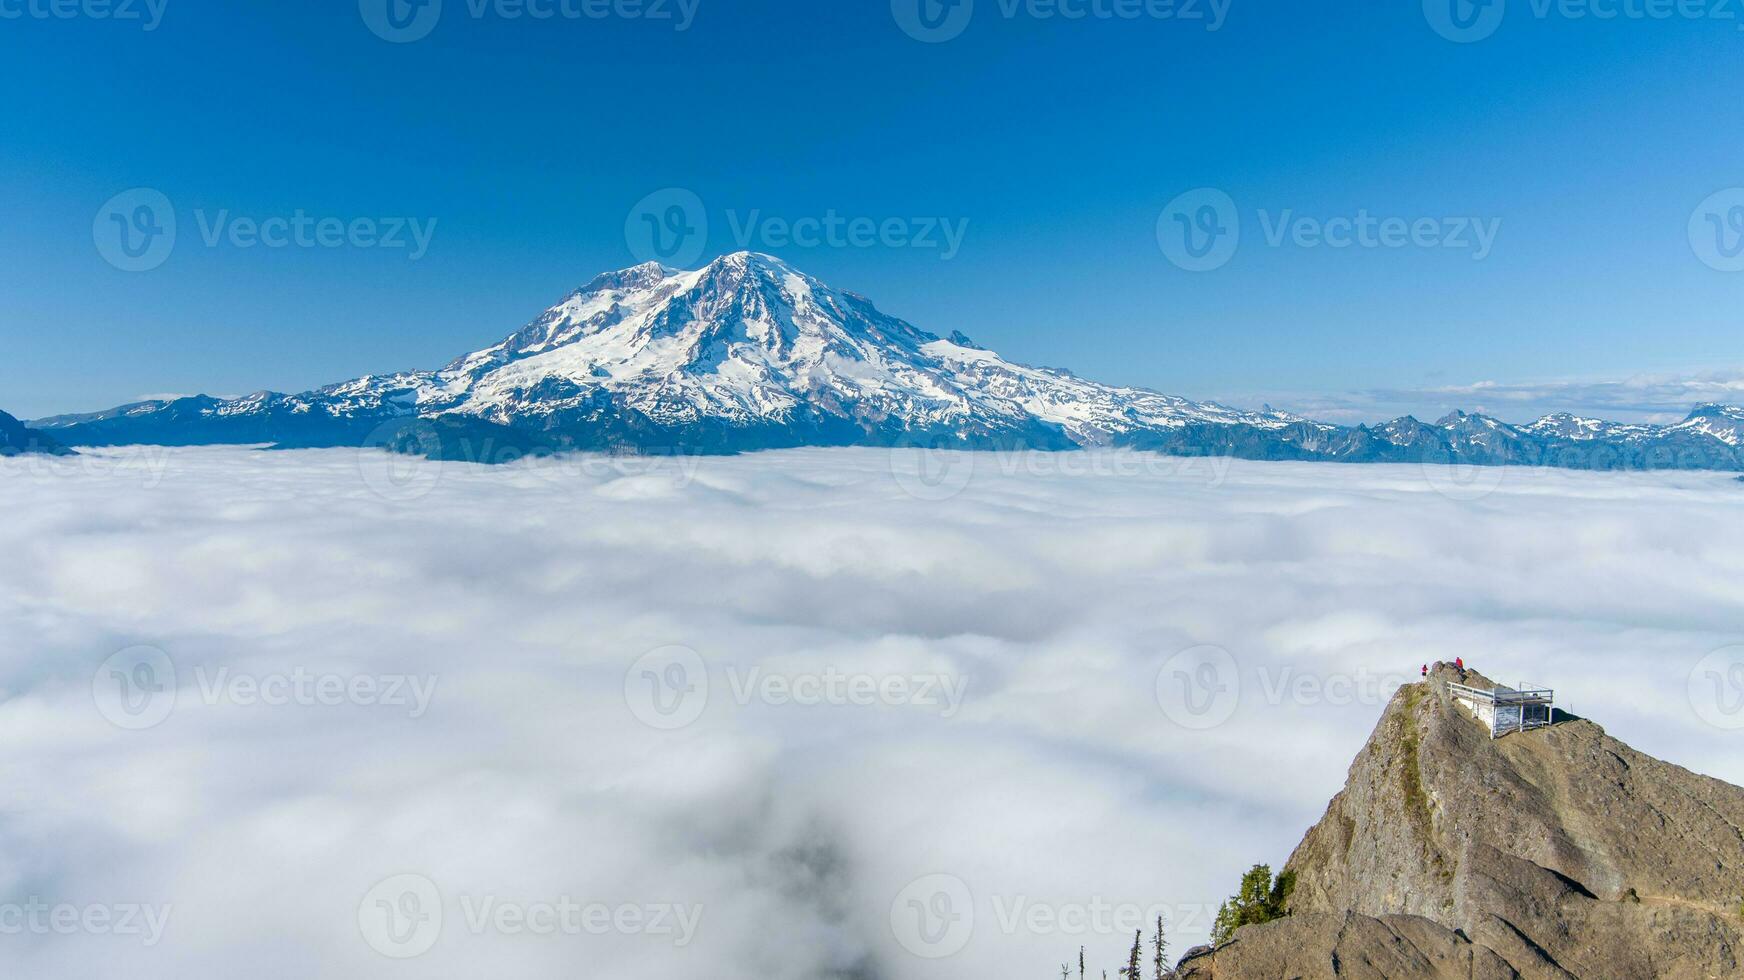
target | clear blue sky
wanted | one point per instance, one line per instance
(1058, 141)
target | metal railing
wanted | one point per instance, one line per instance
(1511, 709)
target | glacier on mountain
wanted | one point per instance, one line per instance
(749, 353)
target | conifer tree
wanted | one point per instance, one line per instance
(1133, 971)
(1259, 899)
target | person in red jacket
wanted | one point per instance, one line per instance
(1425, 670)
(1459, 662)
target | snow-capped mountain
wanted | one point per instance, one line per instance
(749, 353)
(744, 353)
(750, 342)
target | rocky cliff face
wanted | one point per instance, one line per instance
(1554, 853)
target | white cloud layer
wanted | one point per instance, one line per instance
(1658, 398)
(986, 639)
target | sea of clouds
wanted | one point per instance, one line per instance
(806, 714)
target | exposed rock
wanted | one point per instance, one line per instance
(1555, 853)
(16, 439)
(1313, 945)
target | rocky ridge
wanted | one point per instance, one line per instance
(1554, 853)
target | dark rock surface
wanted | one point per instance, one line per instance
(15, 439)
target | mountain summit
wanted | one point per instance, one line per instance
(749, 353)
(1555, 853)
(744, 353)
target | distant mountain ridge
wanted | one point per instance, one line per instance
(748, 353)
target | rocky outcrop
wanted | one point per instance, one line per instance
(16, 439)
(1554, 853)
(1362, 947)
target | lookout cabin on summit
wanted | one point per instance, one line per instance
(1507, 709)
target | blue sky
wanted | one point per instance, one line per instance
(523, 146)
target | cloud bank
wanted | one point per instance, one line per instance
(1657, 398)
(820, 713)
